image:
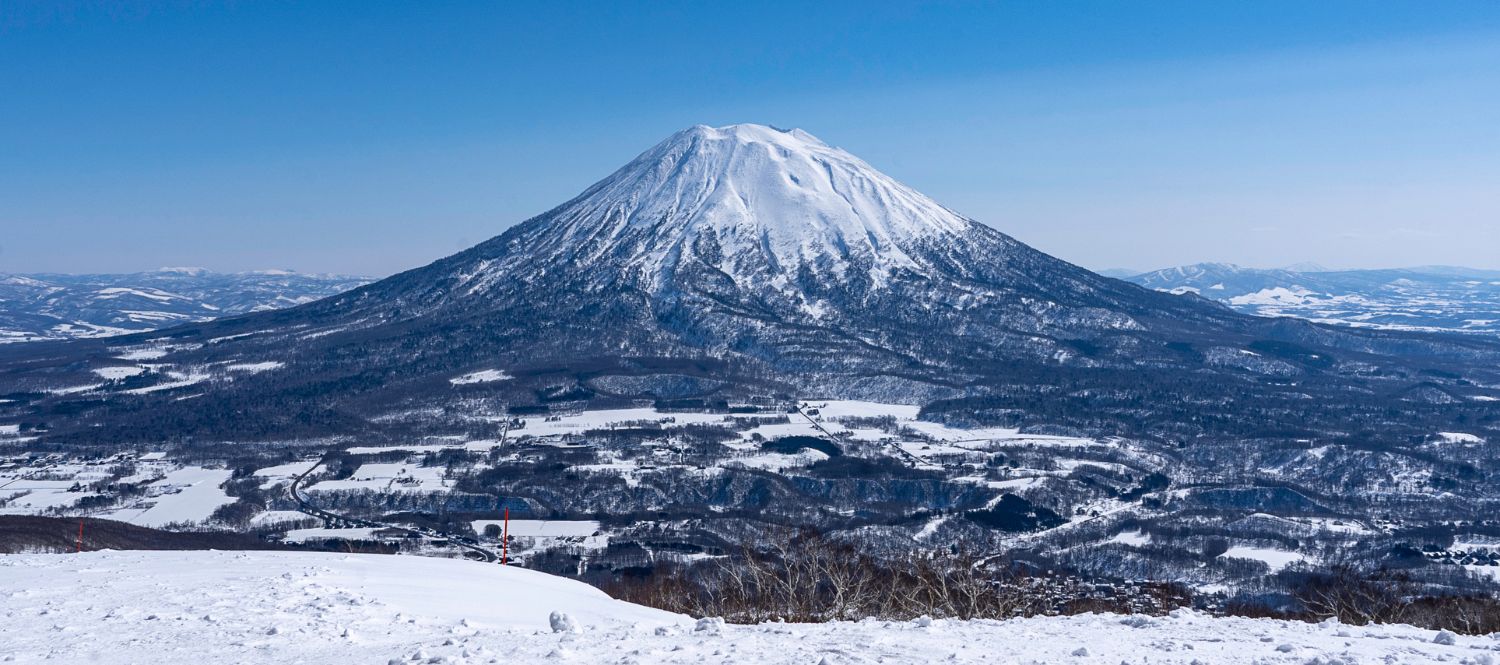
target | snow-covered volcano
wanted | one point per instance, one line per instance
(751, 219)
(736, 207)
(751, 260)
(758, 199)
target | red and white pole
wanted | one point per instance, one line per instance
(505, 539)
(80, 537)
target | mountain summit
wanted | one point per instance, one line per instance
(746, 260)
(741, 238)
(754, 203)
(762, 200)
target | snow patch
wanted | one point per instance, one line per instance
(1279, 295)
(482, 376)
(255, 368)
(142, 354)
(117, 373)
(1132, 538)
(181, 380)
(1276, 559)
(72, 390)
(543, 528)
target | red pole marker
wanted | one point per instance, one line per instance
(505, 539)
(80, 536)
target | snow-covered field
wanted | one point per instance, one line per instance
(172, 493)
(540, 534)
(543, 528)
(189, 494)
(900, 433)
(1276, 559)
(823, 418)
(482, 376)
(388, 476)
(308, 535)
(275, 607)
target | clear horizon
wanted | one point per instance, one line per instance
(245, 137)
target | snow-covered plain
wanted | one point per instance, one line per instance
(314, 534)
(117, 373)
(540, 534)
(1276, 559)
(276, 607)
(1459, 437)
(388, 477)
(174, 494)
(189, 494)
(543, 528)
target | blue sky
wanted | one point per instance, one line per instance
(374, 137)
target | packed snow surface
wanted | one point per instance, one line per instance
(278, 607)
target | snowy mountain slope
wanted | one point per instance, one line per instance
(743, 260)
(39, 307)
(764, 202)
(1427, 298)
(261, 607)
(752, 222)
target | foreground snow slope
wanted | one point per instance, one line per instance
(263, 607)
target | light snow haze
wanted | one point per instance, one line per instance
(375, 138)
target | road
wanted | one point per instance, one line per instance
(912, 459)
(305, 505)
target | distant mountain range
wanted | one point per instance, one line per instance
(1425, 298)
(45, 306)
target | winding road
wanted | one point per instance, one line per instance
(914, 460)
(305, 505)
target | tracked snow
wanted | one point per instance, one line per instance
(276, 607)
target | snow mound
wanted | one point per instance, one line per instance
(281, 607)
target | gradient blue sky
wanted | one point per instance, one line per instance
(370, 137)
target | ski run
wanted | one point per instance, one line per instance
(262, 607)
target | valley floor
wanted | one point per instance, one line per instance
(275, 607)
